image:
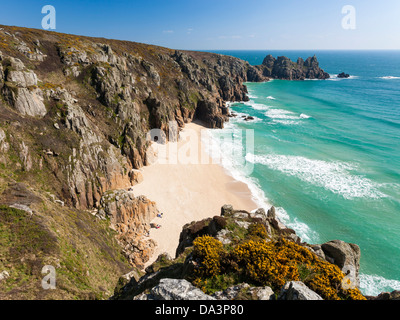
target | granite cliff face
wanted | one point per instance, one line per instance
(92, 101)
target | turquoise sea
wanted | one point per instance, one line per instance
(327, 154)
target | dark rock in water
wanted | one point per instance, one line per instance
(284, 68)
(343, 75)
(394, 295)
(249, 118)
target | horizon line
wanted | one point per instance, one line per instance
(167, 47)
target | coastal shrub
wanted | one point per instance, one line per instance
(207, 250)
(263, 264)
(276, 262)
(257, 230)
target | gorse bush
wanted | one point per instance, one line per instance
(276, 262)
(208, 250)
(257, 230)
(271, 264)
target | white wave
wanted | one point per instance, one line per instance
(372, 285)
(271, 98)
(228, 154)
(304, 116)
(334, 77)
(234, 168)
(389, 77)
(333, 176)
(251, 95)
(257, 106)
(286, 122)
(281, 114)
(241, 116)
(302, 229)
(285, 117)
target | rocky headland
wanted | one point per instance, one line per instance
(284, 68)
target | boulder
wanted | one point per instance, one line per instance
(20, 91)
(22, 78)
(29, 102)
(226, 210)
(4, 275)
(136, 177)
(4, 145)
(297, 290)
(346, 256)
(175, 289)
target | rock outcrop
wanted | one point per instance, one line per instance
(130, 216)
(346, 256)
(297, 290)
(20, 88)
(245, 291)
(284, 68)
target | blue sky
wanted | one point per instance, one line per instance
(221, 24)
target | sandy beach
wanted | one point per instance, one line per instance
(188, 192)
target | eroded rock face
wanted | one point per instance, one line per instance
(22, 78)
(346, 256)
(29, 102)
(20, 90)
(130, 216)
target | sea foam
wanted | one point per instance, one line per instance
(334, 176)
(301, 229)
(372, 285)
(285, 117)
(388, 77)
(234, 168)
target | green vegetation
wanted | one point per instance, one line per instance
(88, 260)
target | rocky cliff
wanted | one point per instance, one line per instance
(86, 104)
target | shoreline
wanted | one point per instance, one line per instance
(188, 192)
